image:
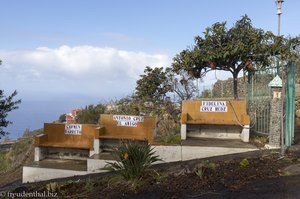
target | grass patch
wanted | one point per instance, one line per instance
(5, 164)
(170, 139)
(13, 157)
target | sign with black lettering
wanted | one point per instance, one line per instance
(128, 120)
(213, 106)
(73, 129)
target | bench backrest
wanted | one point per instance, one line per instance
(56, 133)
(128, 127)
(214, 112)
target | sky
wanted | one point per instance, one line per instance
(65, 54)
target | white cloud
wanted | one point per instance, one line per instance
(86, 68)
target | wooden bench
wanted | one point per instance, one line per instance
(125, 127)
(216, 116)
(69, 136)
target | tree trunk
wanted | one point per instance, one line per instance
(235, 85)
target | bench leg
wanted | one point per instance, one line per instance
(245, 134)
(38, 154)
(183, 131)
(96, 146)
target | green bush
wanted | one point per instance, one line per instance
(133, 160)
(244, 163)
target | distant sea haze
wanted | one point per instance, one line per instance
(33, 114)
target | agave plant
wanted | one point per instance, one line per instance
(133, 159)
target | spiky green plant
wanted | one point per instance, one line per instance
(133, 159)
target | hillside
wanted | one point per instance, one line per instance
(12, 161)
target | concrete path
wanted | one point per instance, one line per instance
(196, 148)
(209, 142)
(188, 150)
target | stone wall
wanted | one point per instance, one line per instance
(224, 88)
(275, 117)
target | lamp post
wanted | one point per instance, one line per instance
(279, 12)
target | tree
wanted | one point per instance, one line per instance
(183, 84)
(153, 86)
(62, 118)
(124, 106)
(91, 114)
(7, 104)
(242, 47)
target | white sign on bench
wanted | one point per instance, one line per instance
(73, 129)
(213, 106)
(128, 120)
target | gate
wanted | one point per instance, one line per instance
(258, 99)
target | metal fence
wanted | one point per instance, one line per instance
(258, 99)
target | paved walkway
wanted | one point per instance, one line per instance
(210, 142)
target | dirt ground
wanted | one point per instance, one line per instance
(260, 174)
(263, 177)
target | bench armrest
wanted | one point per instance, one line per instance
(246, 119)
(99, 131)
(41, 138)
(184, 117)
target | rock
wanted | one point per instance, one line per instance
(298, 113)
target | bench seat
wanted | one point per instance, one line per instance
(222, 119)
(57, 136)
(145, 130)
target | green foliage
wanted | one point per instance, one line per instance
(62, 118)
(259, 140)
(133, 160)
(151, 92)
(170, 139)
(244, 163)
(7, 104)
(91, 114)
(89, 184)
(211, 165)
(241, 47)
(207, 93)
(288, 159)
(153, 86)
(285, 173)
(125, 106)
(200, 171)
(169, 130)
(182, 83)
(5, 164)
(14, 157)
(54, 186)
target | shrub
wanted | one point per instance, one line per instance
(133, 159)
(244, 163)
(200, 171)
